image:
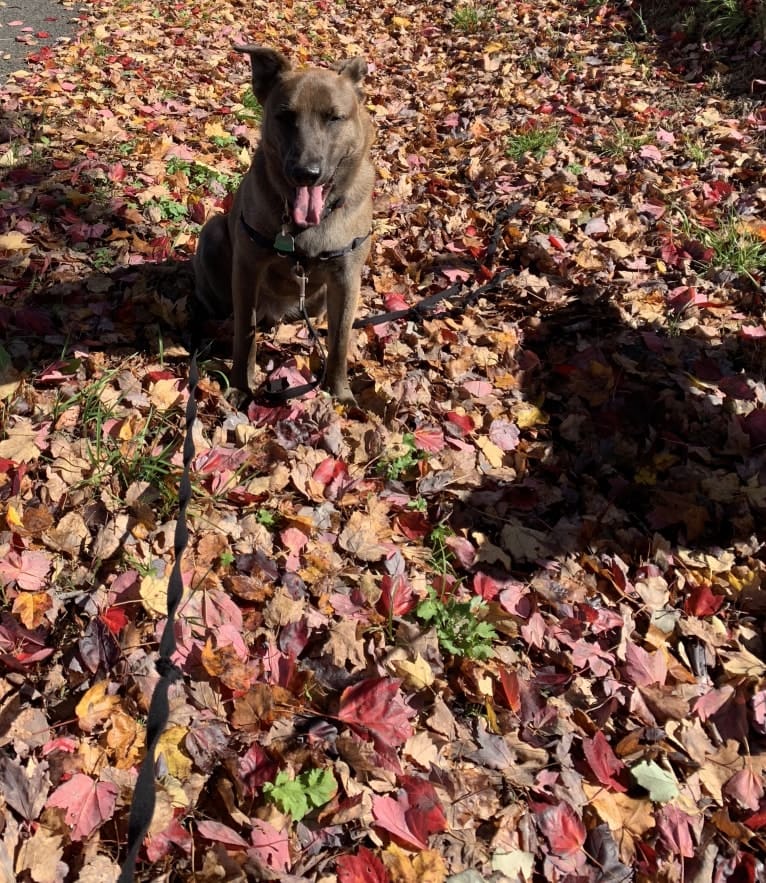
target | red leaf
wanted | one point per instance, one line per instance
(674, 827)
(562, 828)
(364, 867)
(396, 596)
(485, 587)
(115, 619)
(603, 762)
(219, 833)
(509, 681)
(459, 424)
(88, 803)
(702, 602)
(270, 846)
(424, 815)
(429, 439)
(375, 707)
(643, 668)
(389, 815)
(413, 816)
(746, 787)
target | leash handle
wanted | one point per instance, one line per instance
(144, 794)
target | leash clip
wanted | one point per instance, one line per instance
(302, 279)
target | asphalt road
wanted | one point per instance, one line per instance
(25, 25)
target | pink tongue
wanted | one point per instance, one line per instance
(309, 205)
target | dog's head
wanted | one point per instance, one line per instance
(315, 130)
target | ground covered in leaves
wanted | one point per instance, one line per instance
(502, 621)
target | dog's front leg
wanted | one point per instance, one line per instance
(342, 298)
(243, 350)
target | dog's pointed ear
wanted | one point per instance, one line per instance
(267, 66)
(353, 68)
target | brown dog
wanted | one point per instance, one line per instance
(301, 218)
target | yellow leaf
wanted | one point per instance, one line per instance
(154, 593)
(31, 607)
(169, 747)
(14, 241)
(126, 740)
(215, 130)
(493, 47)
(429, 866)
(417, 675)
(165, 393)
(12, 518)
(491, 451)
(527, 415)
(399, 21)
(95, 707)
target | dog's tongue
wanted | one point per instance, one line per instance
(309, 205)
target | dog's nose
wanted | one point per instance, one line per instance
(306, 176)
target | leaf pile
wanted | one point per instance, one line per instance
(504, 621)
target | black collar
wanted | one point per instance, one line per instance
(278, 245)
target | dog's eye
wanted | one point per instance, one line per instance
(333, 117)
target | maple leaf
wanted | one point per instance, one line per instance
(270, 847)
(28, 570)
(562, 828)
(364, 867)
(95, 707)
(397, 597)
(220, 833)
(603, 761)
(88, 804)
(413, 816)
(376, 708)
(746, 787)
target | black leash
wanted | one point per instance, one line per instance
(278, 391)
(142, 806)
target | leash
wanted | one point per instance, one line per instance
(144, 795)
(278, 391)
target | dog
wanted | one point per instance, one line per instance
(299, 228)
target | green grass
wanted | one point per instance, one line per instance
(471, 17)
(729, 19)
(117, 458)
(620, 142)
(534, 142)
(732, 246)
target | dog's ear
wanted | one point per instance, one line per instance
(353, 68)
(267, 66)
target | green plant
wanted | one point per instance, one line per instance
(252, 110)
(471, 17)
(441, 555)
(123, 447)
(621, 142)
(697, 152)
(727, 18)
(401, 459)
(458, 627)
(731, 245)
(266, 517)
(536, 141)
(308, 790)
(171, 209)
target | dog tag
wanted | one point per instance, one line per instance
(284, 243)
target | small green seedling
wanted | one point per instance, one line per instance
(299, 796)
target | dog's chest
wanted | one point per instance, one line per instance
(279, 288)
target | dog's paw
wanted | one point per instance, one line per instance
(239, 399)
(342, 393)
